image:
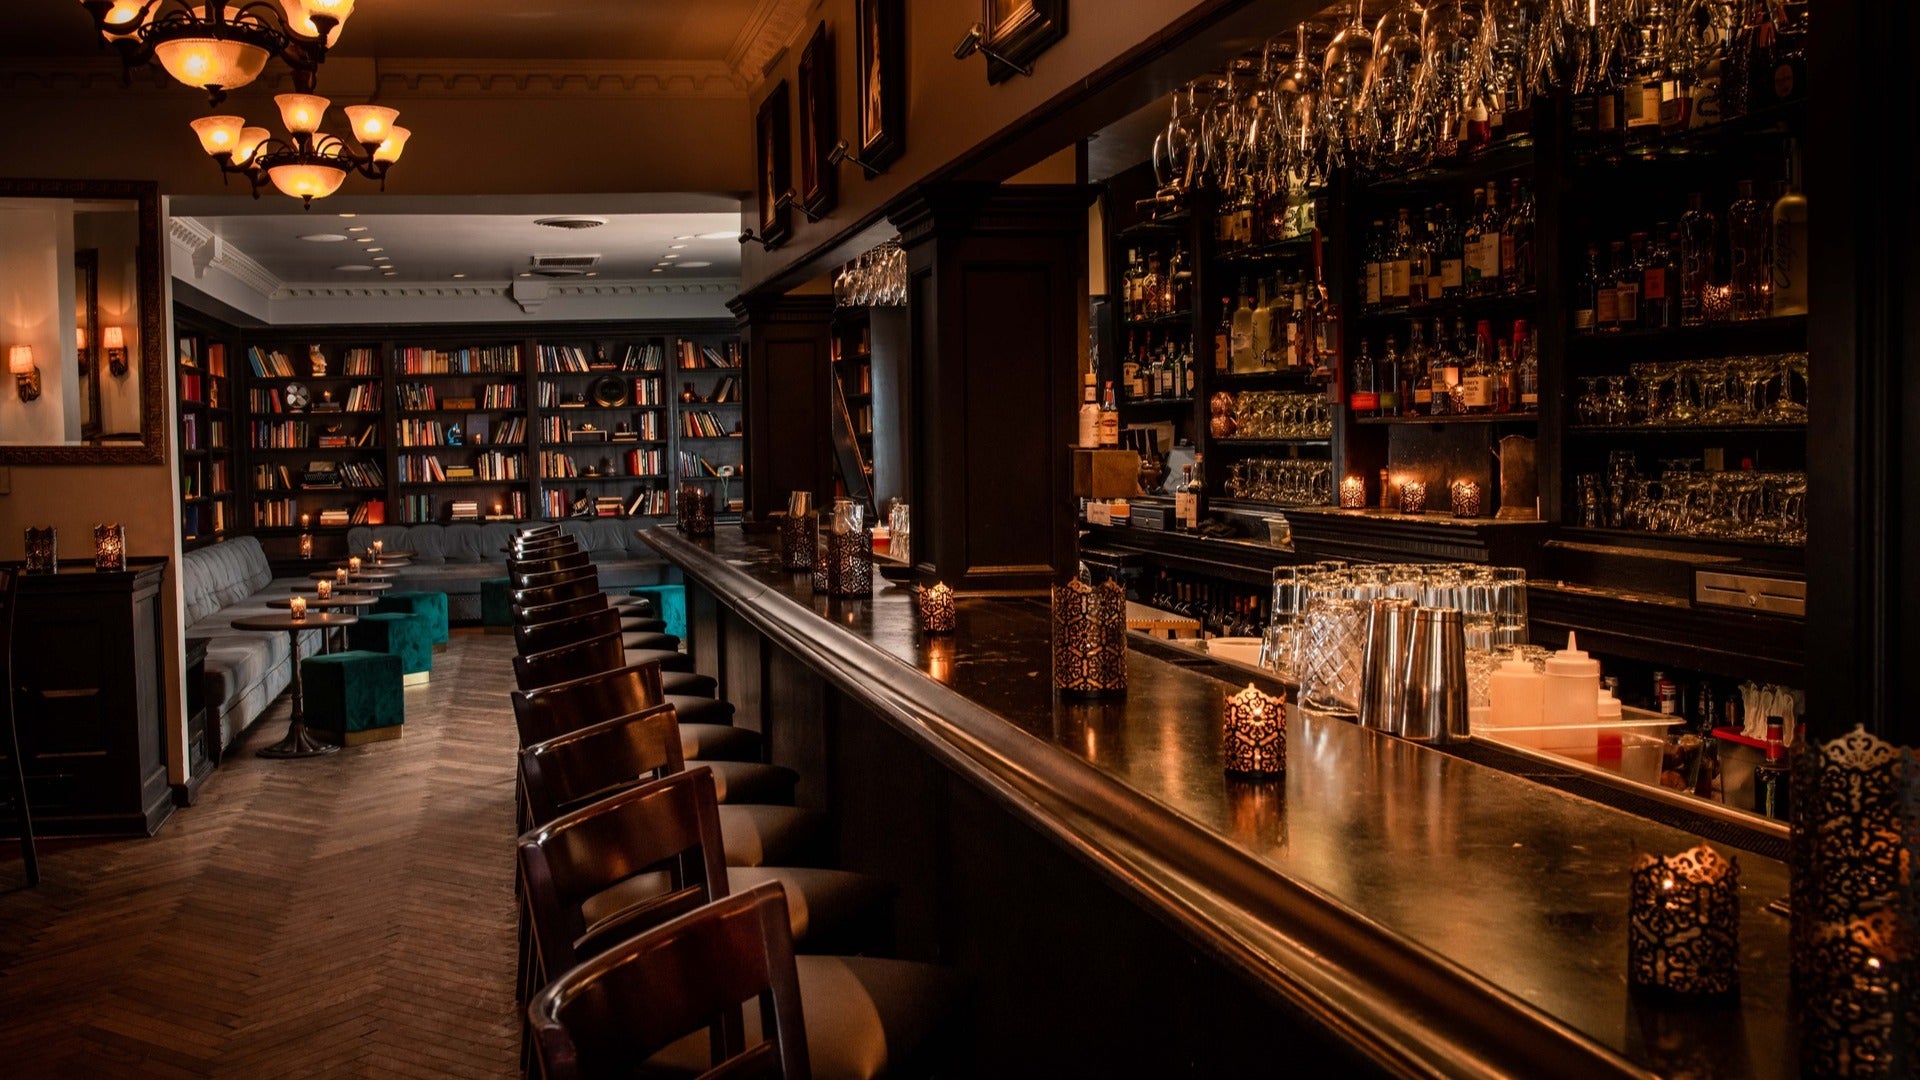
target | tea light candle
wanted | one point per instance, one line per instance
(381, 545)
(297, 608)
(43, 550)
(936, 609)
(1683, 925)
(340, 576)
(1466, 499)
(1256, 734)
(1413, 497)
(353, 564)
(306, 520)
(498, 511)
(306, 545)
(109, 548)
(1353, 493)
(323, 588)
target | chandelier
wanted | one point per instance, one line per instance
(218, 47)
(308, 164)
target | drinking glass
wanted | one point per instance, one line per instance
(1332, 642)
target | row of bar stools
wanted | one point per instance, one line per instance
(640, 824)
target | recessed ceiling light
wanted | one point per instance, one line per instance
(457, 276)
(669, 256)
(727, 235)
(357, 228)
(662, 265)
(675, 247)
(349, 215)
(363, 239)
(354, 268)
(374, 249)
(694, 265)
(524, 273)
(382, 258)
(323, 238)
(391, 273)
(656, 270)
(684, 238)
(593, 273)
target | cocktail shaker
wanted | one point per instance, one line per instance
(1383, 669)
(1435, 689)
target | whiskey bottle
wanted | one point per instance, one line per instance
(1109, 420)
(1420, 401)
(1606, 309)
(1376, 256)
(1223, 338)
(1529, 364)
(1190, 504)
(1242, 359)
(1697, 234)
(1586, 294)
(1386, 379)
(1656, 282)
(1419, 264)
(1398, 277)
(1518, 274)
(1364, 398)
(1626, 283)
(1476, 384)
(1505, 381)
(1473, 242)
(1453, 267)
(1153, 288)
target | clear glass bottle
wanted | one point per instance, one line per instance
(1749, 235)
(1263, 328)
(1453, 280)
(1376, 257)
(1529, 377)
(1475, 246)
(1789, 264)
(1476, 383)
(1586, 294)
(1517, 271)
(1606, 311)
(1398, 280)
(1420, 364)
(1242, 336)
(1386, 379)
(1698, 230)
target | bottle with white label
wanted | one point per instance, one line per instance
(1108, 432)
(1476, 384)
(1089, 411)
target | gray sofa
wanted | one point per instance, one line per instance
(245, 671)
(456, 558)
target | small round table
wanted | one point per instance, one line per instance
(391, 554)
(353, 585)
(297, 743)
(362, 574)
(338, 601)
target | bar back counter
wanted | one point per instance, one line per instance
(1124, 908)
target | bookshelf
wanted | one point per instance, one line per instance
(205, 391)
(460, 432)
(710, 445)
(312, 435)
(606, 428)
(852, 352)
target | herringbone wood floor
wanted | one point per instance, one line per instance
(350, 916)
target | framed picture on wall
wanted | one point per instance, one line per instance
(819, 124)
(1021, 30)
(883, 82)
(773, 155)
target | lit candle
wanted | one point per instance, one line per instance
(936, 609)
(1466, 499)
(1353, 493)
(381, 545)
(497, 512)
(109, 548)
(306, 545)
(306, 520)
(297, 607)
(323, 588)
(1413, 497)
(340, 576)
(353, 564)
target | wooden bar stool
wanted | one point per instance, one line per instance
(543, 637)
(545, 709)
(531, 615)
(832, 910)
(605, 653)
(863, 1017)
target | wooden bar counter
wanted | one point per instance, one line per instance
(1123, 907)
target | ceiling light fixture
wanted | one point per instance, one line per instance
(722, 235)
(356, 228)
(218, 47)
(371, 250)
(676, 247)
(309, 164)
(324, 238)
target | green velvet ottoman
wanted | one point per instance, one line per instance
(354, 697)
(402, 633)
(669, 604)
(496, 605)
(431, 604)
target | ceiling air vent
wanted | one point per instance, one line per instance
(562, 266)
(574, 223)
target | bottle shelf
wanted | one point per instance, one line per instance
(1685, 430)
(1172, 319)
(1162, 228)
(1694, 143)
(1772, 334)
(1156, 403)
(1254, 255)
(1465, 307)
(1467, 418)
(560, 481)
(1506, 156)
(1295, 375)
(1258, 444)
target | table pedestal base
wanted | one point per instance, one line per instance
(297, 743)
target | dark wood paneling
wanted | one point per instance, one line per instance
(890, 344)
(703, 634)
(745, 669)
(789, 368)
(796, 727)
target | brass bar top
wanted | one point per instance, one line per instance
(1446, 918)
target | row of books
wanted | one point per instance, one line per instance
(863, 420)
(694, 356)
(336, 437)
(286, 513)
(214, 362)
(558, 503)
(429, 469)
(201, 522)
(269, 365)
(199, 389)
(696, 465)
(202, 433)
(426, 433)
(650, 462)
(279, 435)
(473, 360)
(702, 424)
(726, 393)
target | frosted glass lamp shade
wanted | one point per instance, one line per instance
(20, 360)
(211, 62)
(307, 181)
(219, 134)
(389, 151)
(301, 113)
(250, 140)
(371, 123)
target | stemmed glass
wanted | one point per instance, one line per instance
(1785, 409)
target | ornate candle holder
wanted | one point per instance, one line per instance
(1413, 497)
(696, 510)
(843, 566)
(936, 608)
(1466, 498)
(297, 609)
(1089, 639)
(43, 550)
(306, 545)
(797, 540)
(1856, 906)
(1353, 493)
(1683, 926)
(323, 588)
(109, 548)
(1256, 734)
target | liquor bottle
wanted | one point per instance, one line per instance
(1109, 420)
(1452, 365)
(1263, 328)
(1397, 280)
(1190, 504)
(1242, 360)
(1473, 242)
(1294, 340)
(1130, 287)
(1153, 288)
(1789, 81)
(1089, 410)
(1749, 234)
(1453, 268)
(1518, 273)
(1656, 281)
(1476, 384)
(1492, 268)
(1606, 308)
(1772, 778)
(1586, 294)
(1420, 400)
(1183, 379)
(1529, 364)
(1626, 284)
(1506, 380)
(1479, 126)
(1179, 280)
(1375, 257)
(1420, 264)
(1790, 244)
(1323, 325)
(1697, 233)
(1386, 379)
(1364, 398)
(1223, 338)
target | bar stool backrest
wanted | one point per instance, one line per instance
(544, 578)
(559, 549)
(539, 614)
(568, 771)
(538, 543)
(532, 531)
(551, 635)
(549, 594)
(617, 1010)
(546, 564)
(555, 710)
(568, 662)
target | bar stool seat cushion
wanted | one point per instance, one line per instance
(821, 904)
(755, 834)
(658, 642)
(669, 603)
(669, 661)
(356, 696)
(752, 782)
(703, 710)
(633, 624)
(865, 1017)
(496, 602)
(431, 604)
(688, 684)
(401, 633)
(719, 742)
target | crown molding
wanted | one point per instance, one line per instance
(403, 78)
(486, 289)
(769, 31)
(207, 251)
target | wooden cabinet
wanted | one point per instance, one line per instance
(88, 690)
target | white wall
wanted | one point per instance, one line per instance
(36, 293)
(115, 235)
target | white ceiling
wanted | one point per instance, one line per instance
(480, 243)
(539, 29)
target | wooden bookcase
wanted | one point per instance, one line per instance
(204, 358)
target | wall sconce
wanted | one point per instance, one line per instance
(114, 340)
(788, 200)
(976, 42)
(109, 548)
(840, 153)
(747, 237)
(26, 375)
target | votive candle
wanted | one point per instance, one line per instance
(297, 607)
(1353, 493)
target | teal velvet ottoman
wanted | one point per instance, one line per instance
(402, 633)
(669, 604)
(354, 697)
(496, 605)
(433, 605)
